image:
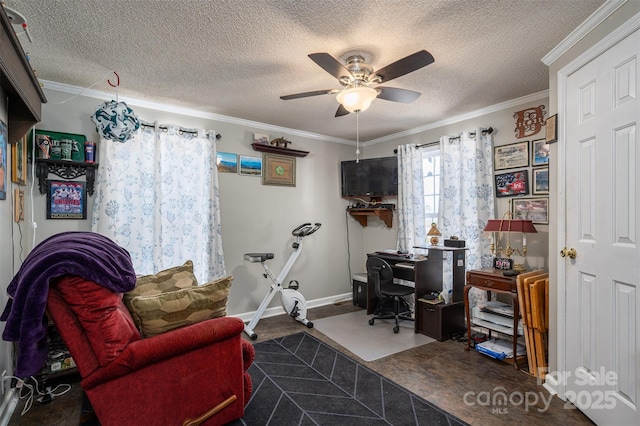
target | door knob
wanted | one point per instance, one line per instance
(571, 253)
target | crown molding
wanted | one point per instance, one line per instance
(458, 118)
(77, 91)
(583, 29)
(80, 91)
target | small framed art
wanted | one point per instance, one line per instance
(512, 183)
(18, 205)
(540, 181)
(539, 153)
(250, 166)
(551, 129)
(511, 156)
(19, 162)
(261, 139)
(66, 199)
(227, 162)
(533, 209)
(279, 170)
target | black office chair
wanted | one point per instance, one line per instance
(380, 272)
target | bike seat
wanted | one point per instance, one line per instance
(258, 257)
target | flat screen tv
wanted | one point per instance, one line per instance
(373, 177)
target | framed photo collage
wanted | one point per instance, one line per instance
(512, 163)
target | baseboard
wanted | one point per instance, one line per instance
(9, 402)
(277, 310)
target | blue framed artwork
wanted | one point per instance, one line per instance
(250, 166)
(227, 162)
(539, 152)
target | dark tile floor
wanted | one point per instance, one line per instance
(463, 383)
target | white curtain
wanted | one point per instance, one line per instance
(411, 226)
(466, 198)
(157, 196)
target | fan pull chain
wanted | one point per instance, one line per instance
(357, 136)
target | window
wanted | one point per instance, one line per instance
(431, 175)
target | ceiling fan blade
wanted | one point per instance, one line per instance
(307, 94)
(330, 64)
(405, 65)
(397, 95)
(341, 111)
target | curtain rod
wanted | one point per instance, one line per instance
(181, 130)
(471, 134)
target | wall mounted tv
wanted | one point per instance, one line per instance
(373, 177)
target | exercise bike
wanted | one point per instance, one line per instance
(292, 300)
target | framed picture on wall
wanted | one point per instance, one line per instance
(3, 160)
(512, 183)
(227, 162)
(551, 129)
(533, 209)
(540, 181)
(279, 170)
(19, 162)
(539, 152)
(511, 156)
(66, 199)
(250, 166)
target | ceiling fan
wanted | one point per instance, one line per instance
(357, 78)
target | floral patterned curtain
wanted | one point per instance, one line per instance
(466, 198)
(157, 196)
(411, 227)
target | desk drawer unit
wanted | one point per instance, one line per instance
(440, 321)
(491, 281)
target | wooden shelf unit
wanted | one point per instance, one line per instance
(65, 170)
(386, 215)
(25, 97)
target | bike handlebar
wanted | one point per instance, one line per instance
(305, 229)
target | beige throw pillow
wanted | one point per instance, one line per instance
(171, 279)
(160, 313)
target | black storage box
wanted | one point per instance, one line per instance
(454, 243)
(360, 290)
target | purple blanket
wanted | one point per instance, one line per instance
(85, 254)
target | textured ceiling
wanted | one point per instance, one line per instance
(237, 57)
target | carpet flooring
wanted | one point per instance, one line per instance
(352, 331)
(299, 380)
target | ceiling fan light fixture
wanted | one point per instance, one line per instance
(357, 99)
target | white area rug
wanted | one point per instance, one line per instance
(370, 342)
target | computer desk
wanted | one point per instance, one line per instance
(424, 271)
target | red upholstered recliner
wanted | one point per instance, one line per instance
(180, 375)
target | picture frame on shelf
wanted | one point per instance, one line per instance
(54, 139)
(19, 161)
(279, 170)
(551, 129)
(533, 209)
(66, 199)
(511, 156)
(227, 162)
(540, 181)
(512, 183)
(250, 166)
(261, 139)
(539, 153)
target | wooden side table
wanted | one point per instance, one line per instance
(492, 280)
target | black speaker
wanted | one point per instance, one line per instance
(360, 290)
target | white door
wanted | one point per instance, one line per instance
(602, 345)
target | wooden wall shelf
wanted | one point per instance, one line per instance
(278, 150)
(25, 97)
(386, 215)
(65, 170)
